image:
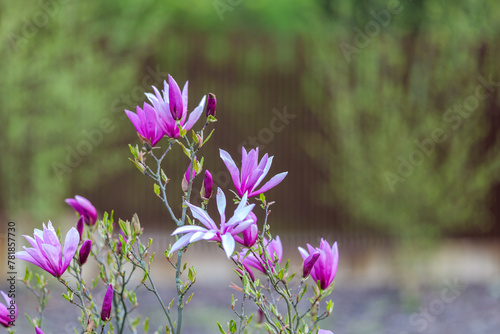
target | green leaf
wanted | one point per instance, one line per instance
(220, 328)
(146, 325)
(139, 166)
(210, 135)
(211, 119)
(185, 150)
(232, 326)
(156, 189)
(164, 176)
(134, 151)
(262, 198)
(329, 306)
(195, 138)
(182, 132)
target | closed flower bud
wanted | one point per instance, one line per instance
(106, 304)
(84, 252)
(79, 226)
(206, 188)
(211, 104)
(188, 175)
(38, 330)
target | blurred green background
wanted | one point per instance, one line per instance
(367, 82)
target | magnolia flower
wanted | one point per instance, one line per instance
(325, 267)
(250, 235)
(210, 231)
(324, 331)
(106, 304)
(38, 330)
(274, 250)
(171, 108)
(8, 312)
(84, 208)
(146, 124)
(206, 188)
(252, 172)
(211, 104)
(84, 252)
(47, 252)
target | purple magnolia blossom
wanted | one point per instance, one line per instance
(146, 124)
(8, 312)
(165, 116)
(210, 231)
(38, 330)
(47, 252)
(252, 172)
(84, 252)
(211, 104)
(106, 304)
(273, 248)
(208, 183)
(84, 208)
(250, 235)
(325, 268)
(324, 331)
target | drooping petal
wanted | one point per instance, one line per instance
(228, 244)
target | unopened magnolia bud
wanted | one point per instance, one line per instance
(211, 104)
(106, 304)
(38, 330)
(80, 225)
(137, 224)
(188, 175)
(206, 188)
(84, 252)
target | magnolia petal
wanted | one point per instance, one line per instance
(231, 166)
(202, 216)
(275, 180)
(194, 116)
(182, 242)
(70, 246)
(189, 229)
(228, 244)
(221, 205)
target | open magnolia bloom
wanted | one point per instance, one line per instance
(252, 172)
(6, 317)
(325, 266)
(172, 107)
(146, 124)
(239, 222)
(84, 208)
(47, 252)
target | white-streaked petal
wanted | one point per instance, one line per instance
(202, 216)
(70, 246)
(221, 205)
(189, 229)
(228, 244)
(182, 242)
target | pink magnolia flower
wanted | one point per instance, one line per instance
(324, 331)
(210, 231)
(8, 312)
(84, 208)
(146, 124)
(273, 248)
(106, 304)
(325, 267)
(252, 172)
(47, 253)
(172, 107)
